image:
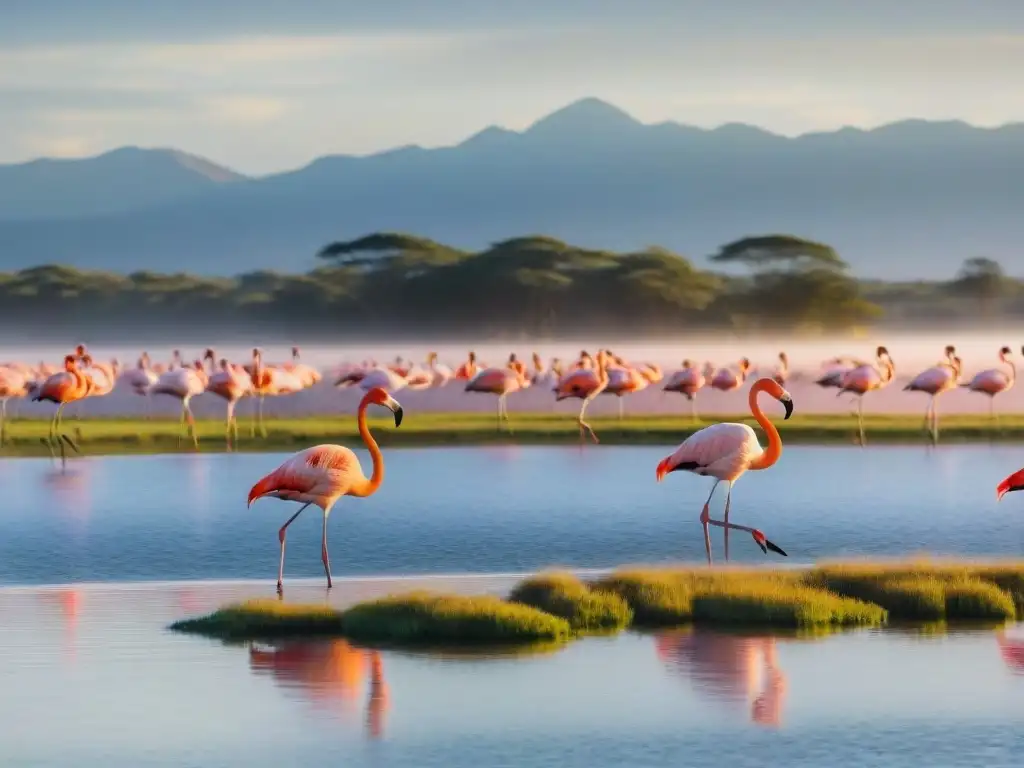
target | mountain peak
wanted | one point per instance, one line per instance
(585, 115)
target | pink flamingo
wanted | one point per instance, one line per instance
(13, 383)
(585, 384)
(306, 374)
(781, 373)
(724, 452)
(183, 384)
(940, 378)
(836, 369)
(867, 378)
(994, 381)
(230, 384)
(688, 382)
(141, 377)
(501, 382)
(324, 473)
(727, 380)
(625, 379)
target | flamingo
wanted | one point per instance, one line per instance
(442, 373)
(232, 385)
(940, 378)
(727, 379)
(585, 384)
(386, 378)
(183, 383)
(687, 381)
(994, 381)
(781, 373)
(14, 382)
(725, 451)
(625, 379)
(306, 374)
(501, 382)
(269, 380)
(837, 368)
(67, 386)
(142, 377)
(468, 369)
(324, 473)
(867, 378)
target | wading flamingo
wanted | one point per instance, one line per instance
(781, 373)
(324, 473)
(836, 369)
(727, 379)
(501, 382)
(585, 384)
(625, 379)
(934, 381)
(724, 452)
(994, 381)
(183, 384)
(14, 382)
(67, 386)
(867, 378)
(688, 382)
(230, 384)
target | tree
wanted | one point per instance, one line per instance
(983, 280)
(768, 251)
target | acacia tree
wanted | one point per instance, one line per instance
(796, 283)
(983, 280)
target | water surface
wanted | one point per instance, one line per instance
(91, 677)
(493, 510)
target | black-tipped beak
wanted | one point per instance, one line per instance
(774, 548)
(398, 416)
(787, 403)
(762, 546)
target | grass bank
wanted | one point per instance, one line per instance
(114, 435)
(554, 607)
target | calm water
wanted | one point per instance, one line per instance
(494, 509)
(90, 677)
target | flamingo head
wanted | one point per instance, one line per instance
(776, 390)
(687, 363)
(784, 357)
(224, 365)
(431, 358)
(472, 356)
(379, 396)
(1014, 482)
(950, 350)
(208, 354)
(512, 358)
(1005, 351)
(80, 351)
(295, 353)
(537, 362)
(744, 364)
(765, 545)
(87, 360)
(883, 352)
(69, 362)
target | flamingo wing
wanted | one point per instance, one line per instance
(317, 475)
(719, 450)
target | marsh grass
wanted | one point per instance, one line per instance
(550, 608)
(562, 594)
(426, 617)
(159, 435)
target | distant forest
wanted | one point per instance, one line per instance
(399, 285)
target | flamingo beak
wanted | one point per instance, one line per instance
(787, 403)
(767, 546)
(1014, 482)
(396, 409)
(260, 489)
(664, 468)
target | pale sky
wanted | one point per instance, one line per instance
(265, 85)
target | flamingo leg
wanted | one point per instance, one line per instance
(928, 414)
(935, 423)
(324, 556)
(497, 419)
(705, 517)
(583, 424)
(281, 535)
(860, 421)
(263, 426)
(230, 419)
(728, 500)
(191, 425)
(621, 412)
(693, 408)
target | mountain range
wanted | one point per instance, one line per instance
(907, 200)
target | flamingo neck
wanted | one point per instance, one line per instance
(364, 487)
(1013, 368)
(771, 454)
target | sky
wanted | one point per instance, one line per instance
(264, 85)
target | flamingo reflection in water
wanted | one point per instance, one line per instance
(729, 668)
(328, 674)
(1011, 648)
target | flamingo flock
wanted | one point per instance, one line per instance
(322, 475)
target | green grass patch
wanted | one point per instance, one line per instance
(425, 617)
(160, 435)
(562, 594)
(264, 619)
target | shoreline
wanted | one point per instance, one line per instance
(118, 436)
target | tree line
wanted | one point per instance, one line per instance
(389, 284)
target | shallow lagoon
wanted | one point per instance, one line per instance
(91, 676)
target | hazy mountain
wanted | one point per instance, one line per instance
(908, 199)
(125, 179)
